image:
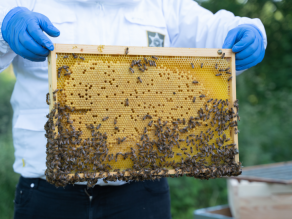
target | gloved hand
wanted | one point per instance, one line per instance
(246, 41)
(23, 31)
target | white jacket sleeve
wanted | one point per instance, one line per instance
(6, 53)
(190, 25)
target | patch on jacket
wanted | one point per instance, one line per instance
(155, 39)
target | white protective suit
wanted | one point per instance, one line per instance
(173, 23)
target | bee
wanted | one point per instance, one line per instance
(227, 69)
(67, 74)
(223, 55)
(132, 70)
(65, 57)
(150, 123)
(146, 61)
(191, 149)
(80, 57)
(116, 128)
(192, 65)
(228, 72)
(202, 65)
(144, 65)
(105, 118)
(218, 74)
(183, 149)
(55, 91)
(127, 102)
(194, 99)
(133, 63)
(209, 100)
(174, 93)
(154, 63)
(74, 56)
(48, 98)
(115, 121)
(178, 154)
(127, 51)
(139, 79)
(154, 57)
(229, 78)
(216, 66)
(187, 154)
(54, 97)
(195, 82)
(202, 96)
(141, 69)
(123, 139)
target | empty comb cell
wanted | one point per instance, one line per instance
(173, 118)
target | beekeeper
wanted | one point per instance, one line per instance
(28, 30)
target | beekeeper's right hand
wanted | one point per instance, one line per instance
(23, 31)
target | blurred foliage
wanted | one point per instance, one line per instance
(265, 98)
(8, 179)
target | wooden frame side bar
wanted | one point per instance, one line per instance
(233, 99)
(52, 77)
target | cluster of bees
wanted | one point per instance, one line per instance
(72, 158)
(66, 67)
(68, 153)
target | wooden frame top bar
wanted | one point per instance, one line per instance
(133, 50)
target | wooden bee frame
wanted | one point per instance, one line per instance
(94, 60)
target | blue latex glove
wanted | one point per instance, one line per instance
(23, 31)
(246, 41)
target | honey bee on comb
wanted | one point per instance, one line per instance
(148, 142)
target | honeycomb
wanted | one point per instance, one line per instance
(124, 117)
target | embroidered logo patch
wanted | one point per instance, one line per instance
(155, 39)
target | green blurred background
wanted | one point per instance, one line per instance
(265, 98)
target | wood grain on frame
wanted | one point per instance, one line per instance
(133, 50)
